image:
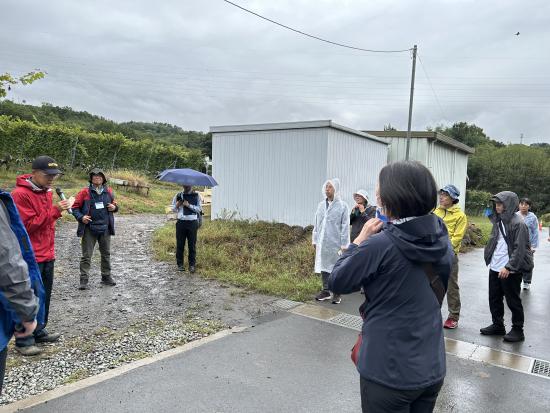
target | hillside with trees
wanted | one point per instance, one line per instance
(156, 132)
(497, 167)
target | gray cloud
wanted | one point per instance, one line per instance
(197, 64)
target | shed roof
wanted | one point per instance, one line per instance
(425, 135)
(294, 125)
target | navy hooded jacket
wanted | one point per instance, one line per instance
(8, 315)
(403, 346)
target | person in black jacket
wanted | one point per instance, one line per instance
(508, 255)
(360, 213)
(401, 360)
(188, 206)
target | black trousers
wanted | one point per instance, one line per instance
(46, 271)
(186, 230)
(510, 289)
(3, 356)
(376, 398)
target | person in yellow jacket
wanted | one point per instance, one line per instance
(456, 222)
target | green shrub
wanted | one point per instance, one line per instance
(476, 201)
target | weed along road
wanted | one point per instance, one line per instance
(298, 360)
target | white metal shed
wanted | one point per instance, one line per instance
(274, 172)
(446, 157)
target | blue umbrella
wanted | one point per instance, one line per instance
(186, 177)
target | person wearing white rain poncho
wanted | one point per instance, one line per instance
(330, 235)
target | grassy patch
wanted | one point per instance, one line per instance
(138, 355)
(77, 375)
(274, 259)
(484, 225)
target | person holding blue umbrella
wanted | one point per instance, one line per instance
(188, 206)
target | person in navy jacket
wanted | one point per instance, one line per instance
(94, 209)
(402, 356)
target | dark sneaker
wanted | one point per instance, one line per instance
(181, 268)
(29, 350)
(108, 280)
(323, 295)
(45, 337)
(336, 299)
(83, 284)
(192, 269)
(514, 335)
(493, 330)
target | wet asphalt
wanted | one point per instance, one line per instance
(293, 363)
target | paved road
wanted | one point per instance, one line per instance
(290, 364)
(474, 286)
(298, 364)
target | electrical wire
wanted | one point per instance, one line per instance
(431, 86)
(315, 37)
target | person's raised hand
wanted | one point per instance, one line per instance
(63, 205)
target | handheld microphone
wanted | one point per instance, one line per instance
(61, 195)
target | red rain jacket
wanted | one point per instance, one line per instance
(38, 215)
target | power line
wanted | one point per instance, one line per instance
(315, 37)
(431, 86)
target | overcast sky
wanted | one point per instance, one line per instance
(202, 63)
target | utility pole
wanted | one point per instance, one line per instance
(521, 139)
(411, 105)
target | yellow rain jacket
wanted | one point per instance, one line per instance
(456, 223)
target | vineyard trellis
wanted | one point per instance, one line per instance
(73, 147)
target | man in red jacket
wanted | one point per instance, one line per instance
(34, 201)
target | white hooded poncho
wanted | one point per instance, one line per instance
(331, 230)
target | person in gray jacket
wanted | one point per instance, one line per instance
(18, 303)
(508, 255)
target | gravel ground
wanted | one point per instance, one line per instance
(151, 309)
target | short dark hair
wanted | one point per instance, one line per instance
(407, 189)
(525, 201)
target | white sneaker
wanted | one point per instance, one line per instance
(526, 286)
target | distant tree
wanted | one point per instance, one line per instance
(469, 134)
(522, 169)
(389, 127)
(7, 80)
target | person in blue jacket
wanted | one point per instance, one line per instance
(21, 289)
(532, 223)
(401, 360)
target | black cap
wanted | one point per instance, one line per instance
(47, 165)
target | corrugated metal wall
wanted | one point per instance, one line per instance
(270, 175)
(448, 166)
(356, 161)
(398, 149)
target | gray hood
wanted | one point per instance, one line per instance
(511, 204)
